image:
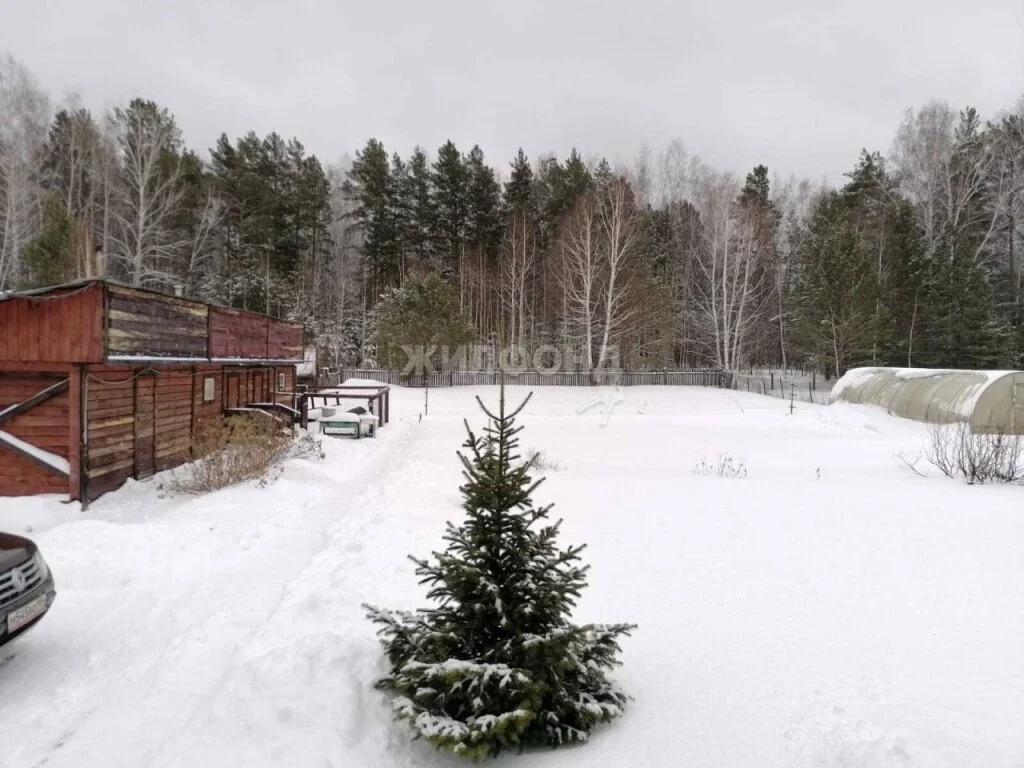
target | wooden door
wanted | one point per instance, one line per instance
(233, 391)
(145, 426)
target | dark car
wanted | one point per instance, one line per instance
(26, 586)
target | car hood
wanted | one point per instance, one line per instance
(14, 550)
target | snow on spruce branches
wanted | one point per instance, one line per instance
(495, 661)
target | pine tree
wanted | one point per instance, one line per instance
(421, 210)
(424, 314)
(833, 296)
(47, 259)
(495, 662)
(369, 185)
(519, 188)
(451, 186)
(756, 188)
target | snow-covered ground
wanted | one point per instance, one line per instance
(829, 609)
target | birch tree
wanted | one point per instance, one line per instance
(145, 241)
(69, 163)
(945, 170)
(1007, 187)
(598, 247)
(729, 291)
(520, 254)
(579, 275)
(24, 113)
(619, 227)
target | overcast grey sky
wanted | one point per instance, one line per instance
(800, 85)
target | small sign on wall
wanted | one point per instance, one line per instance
(280, 382)
(209, 389)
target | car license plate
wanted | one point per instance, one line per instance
(19, 618)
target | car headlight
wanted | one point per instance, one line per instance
(42, 567)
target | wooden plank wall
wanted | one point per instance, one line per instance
(110, 428)
(140, 423)
(284, 341)
(174, 418)
(204, 411)
(238, 334)
(65, 327)
(152, 325)
(243, 386)
(139, 420)
(45, 426)
(288, 385)
(234, 333)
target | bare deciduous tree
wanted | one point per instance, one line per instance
(729, 293)
(24, 113)
(944, 170)
(71, 168)
(620, 237)
(518, 261)
(148, 193)
(578, 276)
(598, 246)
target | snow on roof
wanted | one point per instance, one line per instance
(367, 388)
(50, 459)
(363, 383)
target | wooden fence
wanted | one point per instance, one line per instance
(784, 385)
(690, 378)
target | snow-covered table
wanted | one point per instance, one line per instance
(353, 424)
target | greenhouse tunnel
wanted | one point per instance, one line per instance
(991, 402)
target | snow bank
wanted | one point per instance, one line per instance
(828, 610)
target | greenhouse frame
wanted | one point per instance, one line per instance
(990, 402)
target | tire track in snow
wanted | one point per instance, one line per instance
(167, 634)
(311, 665)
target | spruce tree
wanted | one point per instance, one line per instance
(495, 662)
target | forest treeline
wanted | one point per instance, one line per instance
(913, 260)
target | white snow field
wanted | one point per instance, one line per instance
(830, 609)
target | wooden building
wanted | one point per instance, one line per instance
(100, 382)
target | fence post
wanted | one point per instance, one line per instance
(303, 406)
(772, 374)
